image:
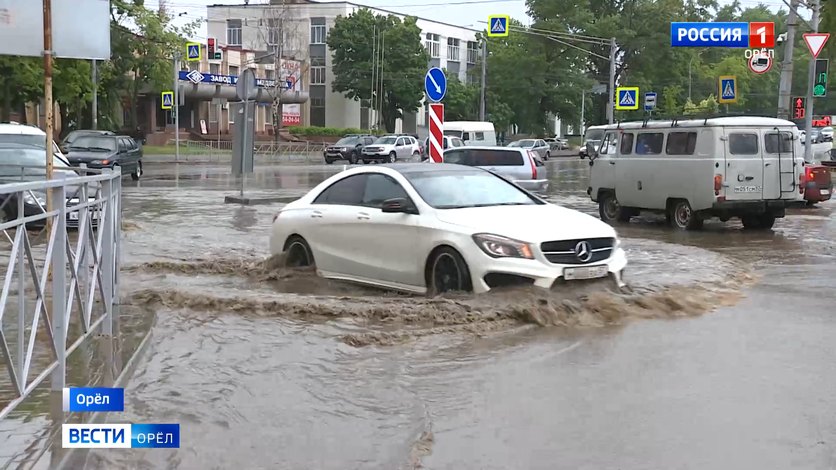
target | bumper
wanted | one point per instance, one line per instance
(815, 193)
(375, 155)
(533, 185)
(732, 208)
(341, 155)
(539, 273)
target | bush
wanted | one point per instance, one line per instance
(327, 131)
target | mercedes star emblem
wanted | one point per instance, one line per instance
(583, 252)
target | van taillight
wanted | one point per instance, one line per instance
(718, 184)
(531, 158)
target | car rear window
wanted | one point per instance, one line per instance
(495, 158)
(774, 144)
(743, 144)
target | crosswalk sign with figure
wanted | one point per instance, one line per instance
(626, 98)
(167, 100)
(728, 89)
(498, 25)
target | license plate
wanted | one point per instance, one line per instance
(747, 189)
(588, 272)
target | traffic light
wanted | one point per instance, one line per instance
(820, 89)
(212, 53)
(799, 107)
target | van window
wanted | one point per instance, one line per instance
(496, 158)
(454, 133)
(773, 144)
(627, 143)
(480, 136)
(649, 143)
(681, 143)
(607, 147)
(743, 144)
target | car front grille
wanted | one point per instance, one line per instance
(567, 251)
(372, 149)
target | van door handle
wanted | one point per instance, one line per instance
(750, 178)
(612, 162)
(363, 216)
(316, 215)
(768, 164)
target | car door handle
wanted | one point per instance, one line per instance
(363, 216)
(750, 178)
(316, 215)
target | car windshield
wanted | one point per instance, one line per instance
(347, 141)
(594, 134)
(74, 135)
(92, 142)
(459, 189)
(386, 140)
(454, 133)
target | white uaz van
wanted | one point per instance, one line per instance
(692, 170)
(472, 132)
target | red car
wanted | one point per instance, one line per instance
(816, 184)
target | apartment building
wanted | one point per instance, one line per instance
(304, 26)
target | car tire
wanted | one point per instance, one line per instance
(352, 158)
(416, 154)
(393, 157)
(447, 272)
(610, 210)
(329, 161)
(138, 173)
(298, 253)
(547, 155)
(683, 217)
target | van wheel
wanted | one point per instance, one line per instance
(610, 210)
(683, 217)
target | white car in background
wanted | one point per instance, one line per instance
(24, 134)
(437, 228)
(390, 148)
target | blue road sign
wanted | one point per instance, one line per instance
(734, 34)
(728, 90)
(627, 97)
(193, 51)
(498, 25)
(167, 100)
(435, 84)
(649, 101)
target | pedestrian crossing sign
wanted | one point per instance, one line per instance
(498, 25)
(167, 100)
(627, 98)
(192, 51)
(728, 89)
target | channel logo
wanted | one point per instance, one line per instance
(755, 35)
(120, 436)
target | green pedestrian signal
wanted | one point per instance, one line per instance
(820, 88)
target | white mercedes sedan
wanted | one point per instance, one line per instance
(437, 228)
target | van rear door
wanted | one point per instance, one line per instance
(780, 173)
(744, 165)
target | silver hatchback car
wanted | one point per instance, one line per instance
(522, 166)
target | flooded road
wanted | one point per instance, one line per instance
(722, 357)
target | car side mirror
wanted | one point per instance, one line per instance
(398, 205)
(591, 151)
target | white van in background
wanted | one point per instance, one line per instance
(693, 170)
(472, 132)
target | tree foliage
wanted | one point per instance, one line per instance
(379, 59)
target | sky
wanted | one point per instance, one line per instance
(468, 13)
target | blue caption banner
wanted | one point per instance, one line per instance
(155, 436)
(94, 399)
(732, 34)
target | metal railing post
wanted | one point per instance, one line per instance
(106, 224)
(117, 243)
(21, 294)
(59, 287)
(82, 213)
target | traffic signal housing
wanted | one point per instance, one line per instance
(799, 107)
(820, 88)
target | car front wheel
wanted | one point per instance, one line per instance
(138, 172)
(392, 157)
(447, 272)
(298, 253)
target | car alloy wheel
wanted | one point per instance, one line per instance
(138, 173)
(448, 272)
(297, 253)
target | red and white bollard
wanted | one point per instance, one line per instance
(436, 132)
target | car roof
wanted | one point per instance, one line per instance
(490, 147)
(20, 129)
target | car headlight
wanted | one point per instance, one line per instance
(34, 198)
(497, 246)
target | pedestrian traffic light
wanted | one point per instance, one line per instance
(820, 89)
(799, 106)
(210, 47)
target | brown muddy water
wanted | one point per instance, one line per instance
(721, 356)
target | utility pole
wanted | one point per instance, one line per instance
(483, 91)
(611, 98)
(785, 86)
(583, 108)
(176, 107)
(49, 105)
(811, 83)
(95, 96)
(374, 73)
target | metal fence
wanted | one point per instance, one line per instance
(268, 148)
(64, 286)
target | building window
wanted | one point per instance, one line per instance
(317, 102)
(317, 34)
(213, 112)
(215, 69)
(233, 70)
(233, 32)
(433, 45)
(273, 33)
(453, 49)
(472, 51)
(269, 74)
(318, 75)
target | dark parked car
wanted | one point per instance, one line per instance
(348, 148)
(107, 151)
(72, 136)
(24, 163)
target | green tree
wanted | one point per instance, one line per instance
(461, 103)
(357, 39)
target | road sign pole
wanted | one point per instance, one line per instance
(176, 107)
(612, 97)
(811, 83)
